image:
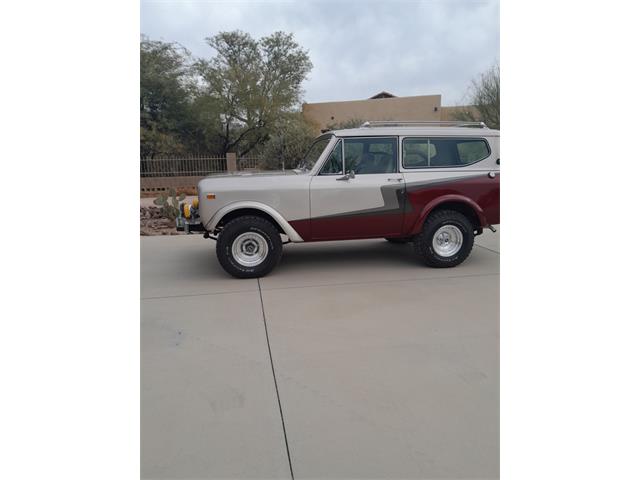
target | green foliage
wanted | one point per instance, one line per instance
(253, 82)
(485, 97)
(166, 81)
(231, 102)
(170, 203)
(289, 144)
(156, 143)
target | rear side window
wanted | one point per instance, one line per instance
(442, 152)
(471, 151)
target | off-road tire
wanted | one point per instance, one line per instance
(423, 242)
(238, 226)
(398, 240)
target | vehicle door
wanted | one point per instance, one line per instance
(359, 191)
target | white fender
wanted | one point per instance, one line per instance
(288, 229)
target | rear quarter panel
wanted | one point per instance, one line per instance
(477, 185)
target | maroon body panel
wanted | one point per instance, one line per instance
(303, 227)
(349, 227)
(480, 192)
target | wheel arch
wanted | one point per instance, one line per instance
(458, 203)
(238, 209)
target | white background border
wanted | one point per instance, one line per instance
(569, 297)
(70, 353)
(569, 255)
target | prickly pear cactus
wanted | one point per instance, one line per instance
(169, 202)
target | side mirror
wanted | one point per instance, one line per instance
(498, 161)
(352, 174)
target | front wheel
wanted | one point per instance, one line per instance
(446, 239)
(249, 247)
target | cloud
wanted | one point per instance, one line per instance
(359, 47)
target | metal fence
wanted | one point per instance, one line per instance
(192, 166)
(159, 174)
(182, 167)
(248, 163)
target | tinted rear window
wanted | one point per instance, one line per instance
(428, 152)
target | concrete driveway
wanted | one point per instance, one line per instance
(350, 360)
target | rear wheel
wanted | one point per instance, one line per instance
(249, 247)
(446, 239)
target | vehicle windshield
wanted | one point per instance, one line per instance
(314, 153)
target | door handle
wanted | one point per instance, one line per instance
(394, 179)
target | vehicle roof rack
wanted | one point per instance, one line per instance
(402, 123)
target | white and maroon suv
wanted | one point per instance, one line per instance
(436, 184)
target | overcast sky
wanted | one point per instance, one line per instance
(358, 47)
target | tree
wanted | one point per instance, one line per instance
(253, 82)
(165, 84)
(289, 143)
(485, 98)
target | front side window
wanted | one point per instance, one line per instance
(442, 152)
(371, 155)
(333, 164)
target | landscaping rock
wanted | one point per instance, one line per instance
(153, 223)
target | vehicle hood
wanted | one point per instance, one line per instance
(245, 184)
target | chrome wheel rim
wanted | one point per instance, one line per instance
(249, 249)
(447, 241)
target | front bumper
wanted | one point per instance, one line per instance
(188, 226)
(188, 220)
